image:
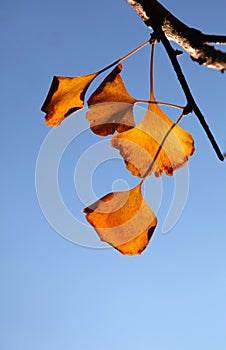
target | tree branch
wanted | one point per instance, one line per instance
(190, 39)
(191, 104)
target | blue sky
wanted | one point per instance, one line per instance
(56, 294)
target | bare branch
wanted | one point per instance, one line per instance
(190, 39)
(191, 104)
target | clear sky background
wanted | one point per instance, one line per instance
(56, 294)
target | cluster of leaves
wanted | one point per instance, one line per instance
(156, 145)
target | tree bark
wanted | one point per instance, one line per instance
(190, 39)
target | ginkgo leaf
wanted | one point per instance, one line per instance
(139, 146)
(111, 106)
(66, 95)
(124, 220)
(156, 144)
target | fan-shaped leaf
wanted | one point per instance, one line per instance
(124, 220)
(111, 106)
(66, 95)
(139, 146)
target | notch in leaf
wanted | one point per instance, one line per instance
(111, 106)
(140, 145)
(124, 220)
(155, 135)
(66, 95)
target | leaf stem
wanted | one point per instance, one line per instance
(124, 57)
(152, 96)
(161, 103)
(160, 147)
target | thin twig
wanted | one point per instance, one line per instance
(191, 106)
(214, 39)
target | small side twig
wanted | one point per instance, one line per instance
(214, 39)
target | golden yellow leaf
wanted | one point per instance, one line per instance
(111, 106)
(139, 146)
(124, 220)
(66, 95)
